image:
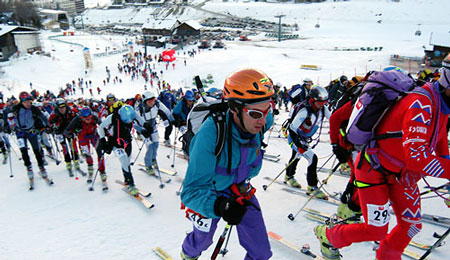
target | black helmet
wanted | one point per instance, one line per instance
(343, 79)
(318, 93)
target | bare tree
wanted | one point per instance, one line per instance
(25, 13)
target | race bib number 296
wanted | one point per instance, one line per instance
(200, 223)
(378, 215)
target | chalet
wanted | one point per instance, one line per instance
(18, 39)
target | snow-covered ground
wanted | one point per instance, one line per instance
(67, 221)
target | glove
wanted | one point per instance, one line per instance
(302, 148)
(103, 146)
(145, 133)
(341, 154)
(408, 178)
(69, 135)
(276, 112)
(230, 210)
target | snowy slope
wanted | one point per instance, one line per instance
(67, 221)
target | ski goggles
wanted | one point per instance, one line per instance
(257, 114)
(321, 103)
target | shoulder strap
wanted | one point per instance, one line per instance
(220, 121)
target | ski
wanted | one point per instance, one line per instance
(138, 197)
(80, 171)
(406, 252)
(338, 172)
(54, 159)
(274, 156)
(161, 253)
(162, 170)
(298, 191)
(180, 155)
(272, 159)
(163, 179)
(140, 192)
(305, 250)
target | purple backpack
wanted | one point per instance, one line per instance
(383, 89)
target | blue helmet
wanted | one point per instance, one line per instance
(189, 95)
(127, 114)
(85, 112)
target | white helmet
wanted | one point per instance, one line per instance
(148, 95)
(307, 80)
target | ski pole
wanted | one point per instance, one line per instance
(137, 156)
(433, 189)
(436, 244)
(225, 250)
(96, 172)
(174, 143)
(72, 152)
(161, 184)
(325, 181)
(56, 144)
(10, 167)
(268, 185)
(220, 242)
(292, 216)
(179, 189)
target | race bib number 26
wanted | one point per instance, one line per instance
(378, 215)
(200, 223)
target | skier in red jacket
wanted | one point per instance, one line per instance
(421, 151)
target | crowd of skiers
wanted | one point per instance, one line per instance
(227, 150)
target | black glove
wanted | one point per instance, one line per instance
(341, 154)
(230, 210)
(276, 112)
(103, 146)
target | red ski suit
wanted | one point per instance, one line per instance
(409, 157)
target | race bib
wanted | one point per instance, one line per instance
(199, 222)
(85, 149)
(119, 152)
(60, 138)
(21, 142)
(378, 215)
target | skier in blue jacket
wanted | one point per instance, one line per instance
(219, 186)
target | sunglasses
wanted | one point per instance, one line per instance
(257, 114)
(26, 99)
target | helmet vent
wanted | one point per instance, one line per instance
(256, 92)
(256, 85)
(238, 92)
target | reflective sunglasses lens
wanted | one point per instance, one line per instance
(255, 114)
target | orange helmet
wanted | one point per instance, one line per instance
(248, 86)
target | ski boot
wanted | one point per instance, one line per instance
(150, 170)
(31, 183)
(185, 257)
(314, 190)
(133, 190)
(291, 181)
(327, 250)
(90, 169)
(30, 176)
(344, 212)
(167, 142)
(103, 176)
(69, 168)
(43, 172)
(447, 201)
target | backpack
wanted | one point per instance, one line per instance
(217, 109)
(382, 90)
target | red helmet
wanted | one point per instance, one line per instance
(24, 96)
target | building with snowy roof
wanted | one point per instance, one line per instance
(18, 39)
(439, 48)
